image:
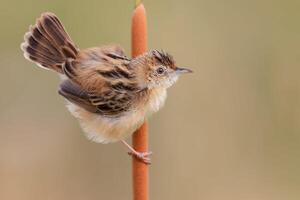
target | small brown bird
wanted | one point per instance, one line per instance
(110, 94)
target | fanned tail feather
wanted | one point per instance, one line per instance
(48, 44)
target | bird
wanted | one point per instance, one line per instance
(109, 93)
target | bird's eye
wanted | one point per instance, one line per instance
(160, 70)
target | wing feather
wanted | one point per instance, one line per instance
(100, 81)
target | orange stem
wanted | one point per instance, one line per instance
(140, 137)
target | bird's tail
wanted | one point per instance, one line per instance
(48, 44)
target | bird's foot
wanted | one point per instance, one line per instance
(143, 156)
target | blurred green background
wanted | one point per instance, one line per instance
(228, 131)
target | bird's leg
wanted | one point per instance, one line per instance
(143, 156)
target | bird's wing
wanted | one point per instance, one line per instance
(101, 81)
(72, 92)
(109, 104)
(95, 69)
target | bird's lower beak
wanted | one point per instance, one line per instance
(182, 70)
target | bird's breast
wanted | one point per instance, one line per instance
(155, 100)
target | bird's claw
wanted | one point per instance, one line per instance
(143, 156)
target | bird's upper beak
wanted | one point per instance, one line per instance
(182, 70)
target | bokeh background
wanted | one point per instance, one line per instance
(228, 131)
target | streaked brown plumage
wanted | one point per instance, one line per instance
(110, 94)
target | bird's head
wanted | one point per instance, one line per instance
(158, 69)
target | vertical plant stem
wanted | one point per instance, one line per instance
(140, 137)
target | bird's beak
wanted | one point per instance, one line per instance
(181, 70)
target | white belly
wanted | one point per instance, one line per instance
(105, 130)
